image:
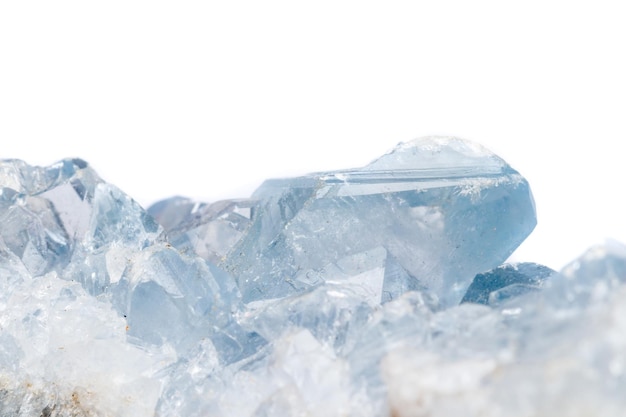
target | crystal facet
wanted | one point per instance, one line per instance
(506, 281)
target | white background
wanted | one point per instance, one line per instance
(206, 99)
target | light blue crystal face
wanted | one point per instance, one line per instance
(442, 208)
(208, 230)
(32, 229)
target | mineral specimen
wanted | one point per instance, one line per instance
(364, 292)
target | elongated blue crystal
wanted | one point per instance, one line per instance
(444, 210)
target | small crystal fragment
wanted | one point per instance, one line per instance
(506, 281)
(208, 230)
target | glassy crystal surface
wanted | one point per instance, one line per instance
(208, 230)
(506, 281)
(443, 209)
(376, 291)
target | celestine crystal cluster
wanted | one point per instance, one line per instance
(376, 291)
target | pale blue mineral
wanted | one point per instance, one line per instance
(506, 281)
(440, 209)
(443, 209)
(376, 291)
(208, 230)
(65, 220)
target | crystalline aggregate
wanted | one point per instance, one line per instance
(376, 291)
(298, 222)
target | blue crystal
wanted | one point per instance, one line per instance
(207, 230)
(444, 210)
(65, 219)
(506, 281)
